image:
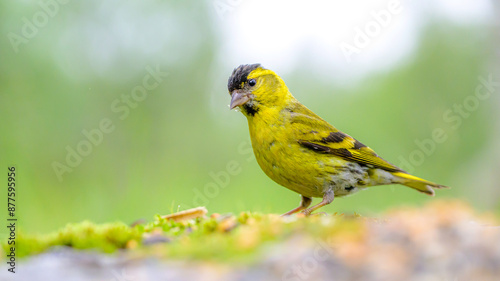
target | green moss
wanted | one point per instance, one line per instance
(226, 237)
(85, 235)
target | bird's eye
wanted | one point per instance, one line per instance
(252, 82)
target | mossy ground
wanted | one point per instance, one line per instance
(217, 237)
(235, 237)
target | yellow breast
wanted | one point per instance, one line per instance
(282, 158)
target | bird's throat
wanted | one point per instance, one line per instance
(249, 109)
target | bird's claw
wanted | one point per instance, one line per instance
(306, 212)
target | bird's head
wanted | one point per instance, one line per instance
(254, 88)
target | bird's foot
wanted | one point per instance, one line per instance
(327, 199)
(307, 212)
(304, 203)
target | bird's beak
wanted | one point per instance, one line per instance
(238, 98)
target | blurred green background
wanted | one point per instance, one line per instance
(81, 63)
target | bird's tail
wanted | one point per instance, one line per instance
(417, 183)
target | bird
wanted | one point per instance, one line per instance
(302, 152)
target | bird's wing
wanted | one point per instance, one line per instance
(316, 134)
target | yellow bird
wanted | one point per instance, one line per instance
(302, 152)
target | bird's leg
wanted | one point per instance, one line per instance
(304, 203)
(327, 199)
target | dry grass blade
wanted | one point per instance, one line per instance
(187, 214)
